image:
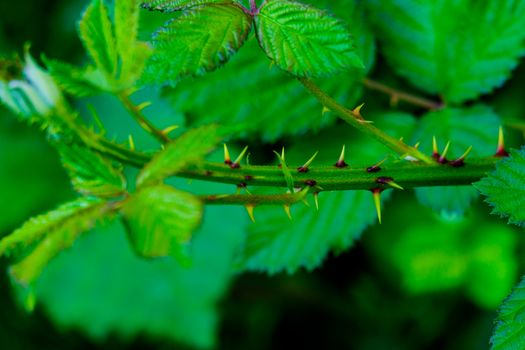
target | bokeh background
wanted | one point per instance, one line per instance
(422, 280)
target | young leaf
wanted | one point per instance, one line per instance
(176, 5)
(457, 49)
(509, 333)
(90, 173)
(200, 40)
(77, 81)
(56, 231)
(475, 126)
(97, 35)
(186, 150)
(161, 220)
(304, 40)
(505, 188)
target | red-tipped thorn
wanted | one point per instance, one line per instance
(249, 209)
(341, 161)
(316, 200)
(237, 163)
(443, 158)
(288, 211)
(227, 158)
(500, 151)
(461, 160)
(389, 182)
(376, 193)
(304, 168)
(377, 167)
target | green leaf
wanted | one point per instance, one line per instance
(161, 220)
(304, 40)
(282, 106)
(509, 333)
(200, 40)
(176, 5)
(275, 244)
(97, 36)
(184, 300)
(186, 150)
(90, 173)
(505, 188)
(54, 232)
(77, 81)
(475, 126)
(467, 52)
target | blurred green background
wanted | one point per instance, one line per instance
(422, 280)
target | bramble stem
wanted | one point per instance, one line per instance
(397, 95)
(354, 118)
(141, 119)
(249, 199)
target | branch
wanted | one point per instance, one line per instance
(354, 118)
(397, 95)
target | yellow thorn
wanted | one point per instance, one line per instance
(445, 151)
(362, 121)
(466, 153)
(501, 139)
(241, 156)
(416, 146)
(169, 129)
(395, 185)
(131, 142)
(325, 110)
(287, 211)
(357, 111)
(309, 161)
(435, 149)
(342, 156)
(282, 155)
(377, 202)
(227, 158)
(144, 105)
(401, 139)
(249, 209)
(316, 200)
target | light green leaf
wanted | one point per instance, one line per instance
(475, 126)
(186, 150)
(161, 221)
(77, 81)
(505, 188)
(509, 333)
(97, 36)
(176, 5)
(304, 40)
(198, 41)
(90, 173)
(54, 232)
(457, 49)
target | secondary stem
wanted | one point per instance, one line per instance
(402, 96)
(354, 118)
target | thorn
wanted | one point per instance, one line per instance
(310, 183)
(362, 121)
(416, 146)
(305, 202)
(249, 209)
(435, 150)
(461, 160)
(389, 181)
(131, 142)
(500, 151)
(377, 167)
(394, 100)
(443, 158)
(227, 159)
(357, 111)
(316, 200)
(325, 110)
(341, 161)
(96, 118)
(304, 168)
(143, 105)
(272, 63)
(169, 129)
(376, 193)
(237, 163)
(288, 211)
(282, 155)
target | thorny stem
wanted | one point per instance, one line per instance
(397, 95)
(354, 118)
(136, 113)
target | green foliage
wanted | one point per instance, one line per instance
(91, 174)
(188, 149)
(510, 328)
(161, 220)
(475, 126)
(457, 49)
(198, 41)
(304, 40)
(176, 5)
(505, 189)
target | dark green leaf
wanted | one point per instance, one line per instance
(161, 221)
(198, 41)
(510, 325)
(505, 188)
(185, 150)
(457, 49)
(176, 5)
(304, 40)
